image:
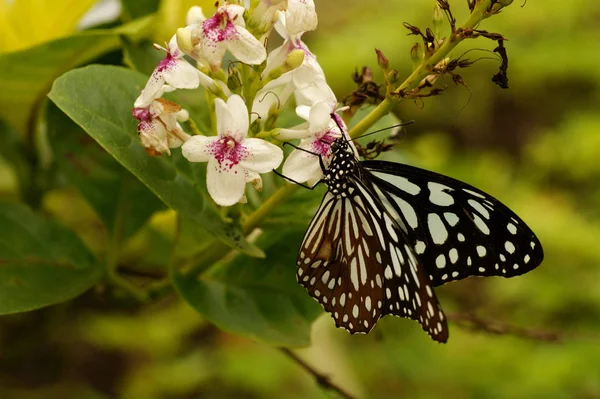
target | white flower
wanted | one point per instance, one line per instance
(301, 14)
(158, 129)
(173, 72)
(233, 158)
(307, 82)
(226, 30)
(316, 139)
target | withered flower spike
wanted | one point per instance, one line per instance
(501, 78)
(413, 29)
(471, 5)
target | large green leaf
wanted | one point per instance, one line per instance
(27, 75)
(257, 298)
(41, 262)
(99, 99)
(119, 198)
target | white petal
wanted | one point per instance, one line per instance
(318, 91)
(153, 135)
(152, 91)
(299, 132)
(194, 16)
(235, 13)
(301, 166)
(263, 156)
(225, 122)
(320, 116)
(239, 112)
(174, 48)
(276, 58)
(246, 47)
(303, 111)
(301, 16)
(281, 26)
(210, 49)
(182, 75)
(197, 148)
(225, 185)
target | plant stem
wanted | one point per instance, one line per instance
(421, 71)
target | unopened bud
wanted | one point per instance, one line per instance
(416, 54)
(272, 116)
(499, 5)
(184, 40)
(382, 60)
(233, 80)
(293, 61)
(393, 76)
(438, 21)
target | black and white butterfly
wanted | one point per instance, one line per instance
(386, 233)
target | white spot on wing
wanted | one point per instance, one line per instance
(437, 230)
(438, 194)
(479, 208)
(401, 182)
(451, 218)
(509, 246)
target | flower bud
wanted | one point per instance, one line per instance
(393, 76)
(382, 60)
(293, 61)
(416, 54)
(499, 5)
(184, 40)
(438, 21)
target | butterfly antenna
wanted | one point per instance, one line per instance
(385, 128)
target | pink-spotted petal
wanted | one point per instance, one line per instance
(246, 47)
(152, 91)
(182, 75)
(197, 148)
(235, 14)
(225, 183)
(211, 49)
(262, 156)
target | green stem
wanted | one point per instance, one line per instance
(421, 71)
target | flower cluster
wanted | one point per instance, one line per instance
(246, 97)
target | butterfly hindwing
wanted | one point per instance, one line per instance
(356, 262)
(456, 230)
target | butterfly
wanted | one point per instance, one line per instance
(386, 233)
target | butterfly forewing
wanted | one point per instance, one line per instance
(455, 229)
(355, 262)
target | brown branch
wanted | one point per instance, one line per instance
(321, 379)
(473, 323)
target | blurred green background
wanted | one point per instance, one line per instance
(534, 146)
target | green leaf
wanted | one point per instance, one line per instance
(99, 99)
(257, 298)
(41, 262)
(27, 75)
(111, 190)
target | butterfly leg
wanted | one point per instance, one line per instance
(295, 182)
(321, 164)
